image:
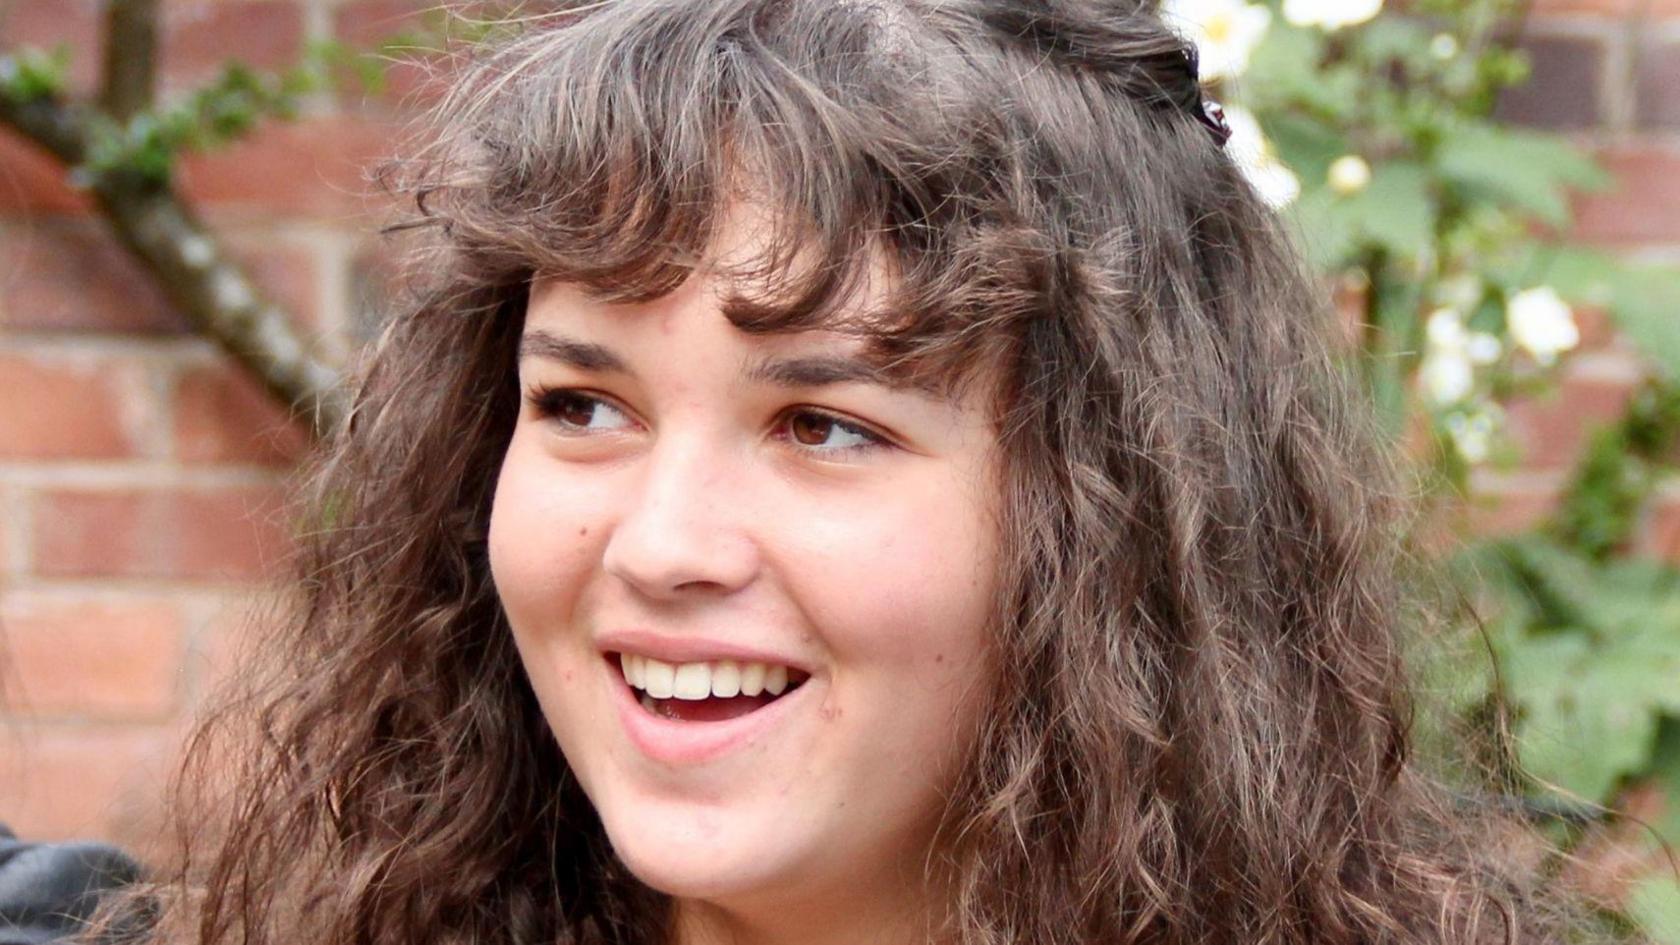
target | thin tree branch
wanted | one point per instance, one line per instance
(130, 57)
(197, 276)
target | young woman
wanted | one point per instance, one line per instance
(854, 472)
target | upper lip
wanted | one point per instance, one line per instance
(689, 648)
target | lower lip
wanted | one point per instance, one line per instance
(691, 743)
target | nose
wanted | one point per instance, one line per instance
(684, 529)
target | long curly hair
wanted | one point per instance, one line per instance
(1200, 728)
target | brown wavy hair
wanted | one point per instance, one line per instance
(1200, 730)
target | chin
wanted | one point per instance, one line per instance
(690, 861)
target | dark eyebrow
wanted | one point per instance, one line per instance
(583, 355)
(810, 371)
(817, 371)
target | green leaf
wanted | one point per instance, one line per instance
(1393, 38)
(1583, 726)
(31, 73)
(1398, 209)
(1655, 905)
(1395, 213)
(1285, 64)
(1529, 170)
(1306, 145)
(1646, 307)
(1325, 232)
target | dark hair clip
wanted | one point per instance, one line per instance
(1210, 114)
(1204, 109)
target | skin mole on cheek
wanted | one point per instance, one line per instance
(583, 531)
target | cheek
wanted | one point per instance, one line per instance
(539, 542)
(543, 546)
(935, 560)
(906, 588)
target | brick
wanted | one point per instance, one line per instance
(231, 533)
(32, 181)
(1657, 86)
(286, 272)
(93, 659)
(372, 25)
(90, 783)
(75, 406)
(1505, 509)
(1597, 327)
(1349, 298)
(70, 275)
(1565, 90)
(1660, 535)
(223, 416)
(366, 24)
(314, 169)
(1644, 205)
(47, 24)
(9, 526)
(1551, 431)
(1607, 8)
(233, 638)
(199, 36)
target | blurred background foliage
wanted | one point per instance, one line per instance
(1445, 233)
(1445, 236)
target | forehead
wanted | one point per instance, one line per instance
(756, 270)
(565, 325)
(555, 304)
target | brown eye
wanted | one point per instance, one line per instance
(828, 434)
(811, 429)
(578, 411)
(575, 410)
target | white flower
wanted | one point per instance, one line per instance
(1448, 371)
(1274, 181)
(1541, 323)
(1483, 348)
(1472, 433)
(1445, 329)
(1447, 376)
(1463, 291)
(1444, 46)
(1225, 32)
(1330, 14)
(1349, 174)
(1276, 184)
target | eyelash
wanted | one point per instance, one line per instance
(548, 402)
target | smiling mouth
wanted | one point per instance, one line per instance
(714, 691)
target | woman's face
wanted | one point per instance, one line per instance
(726, 506)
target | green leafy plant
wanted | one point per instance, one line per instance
(1451, 231)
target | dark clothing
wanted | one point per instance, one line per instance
(47, 890)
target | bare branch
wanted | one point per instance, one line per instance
(130, 57)
(196, 275)
(222, 301)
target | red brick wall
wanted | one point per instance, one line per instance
(140, 474)
(1607, 73)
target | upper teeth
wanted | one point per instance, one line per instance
(694, 681)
